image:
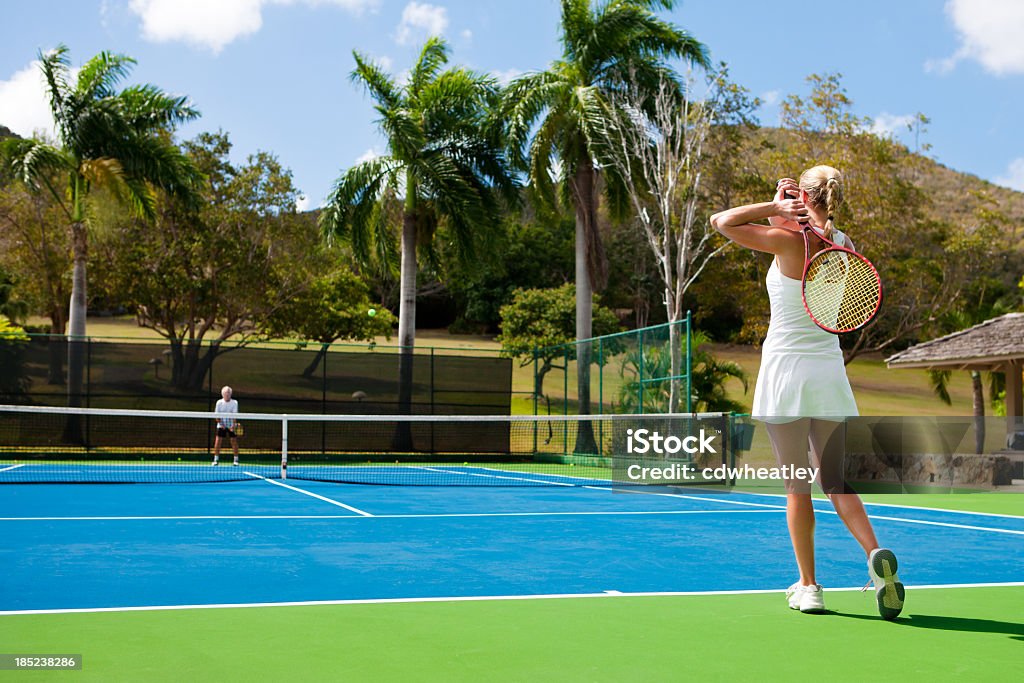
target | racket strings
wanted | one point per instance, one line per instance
(841, 291)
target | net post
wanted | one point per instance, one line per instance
(284, 446)
(565, 399)
(640, 384)
(600, 395)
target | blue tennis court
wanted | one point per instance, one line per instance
(259, 541)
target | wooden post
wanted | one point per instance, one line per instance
(1013, 398)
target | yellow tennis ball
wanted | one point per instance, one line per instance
(372, 312)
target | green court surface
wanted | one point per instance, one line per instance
(959, 633)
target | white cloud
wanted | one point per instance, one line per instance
(507, 76)
(213, 24)
(466, 34)
(990, 33)
(1014, 178)
(770, 97)
(890, 125)
(368, 155)
(24, 105)
(421, 20)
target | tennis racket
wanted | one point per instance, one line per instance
(238, 430)
(841, 289)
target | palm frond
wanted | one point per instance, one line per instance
(577, 24)
(431, 60)
(380, 85)
(146, 107)
(626, 29)
(101, 74)
(56, 68)
(939, 380)
(30, 159)
(352, 211)
(403, 131)
(149, 159)
(107, 173)
(523, 102)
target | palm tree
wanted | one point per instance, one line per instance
(110, 139)
(444, 163)
(608, 46)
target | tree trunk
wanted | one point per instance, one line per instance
(538, 380)
(189, 369)
(56, 348)
(77, 343)
(406, 327)
(586, 215)
(311, 368)
(76, 318)
(979, 413)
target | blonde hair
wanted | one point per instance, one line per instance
(824, 188)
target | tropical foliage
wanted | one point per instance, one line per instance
(113, 139)
(554, 120)
(537, 326)
(647, 386)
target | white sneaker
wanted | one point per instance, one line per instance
(889, 592)
(235, 463)
(793, 595)
(215, 463)
(812, 599)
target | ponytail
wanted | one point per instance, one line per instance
(824, 188)
(833, 198)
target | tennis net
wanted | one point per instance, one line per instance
(43, 444)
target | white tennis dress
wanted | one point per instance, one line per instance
(802, 372)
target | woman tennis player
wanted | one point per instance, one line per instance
(802, 392)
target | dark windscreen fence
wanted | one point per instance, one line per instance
(279, 379)
(45, 444)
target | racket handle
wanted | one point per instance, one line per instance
(805, 223)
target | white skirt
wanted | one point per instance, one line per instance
(793, 385)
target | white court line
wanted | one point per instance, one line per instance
(494, 476)
(703, 499)
(314, 495)
(594, 513)
(900, 505)
(824, 512)
(768, 495)
(612, 595)
(12, 467)
(929, 523)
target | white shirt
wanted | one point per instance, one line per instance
(229, 406)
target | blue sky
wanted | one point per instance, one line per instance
(274, 73)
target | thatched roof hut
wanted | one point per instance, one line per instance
(996, 345)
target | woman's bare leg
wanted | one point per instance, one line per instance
(789, 442)
(828, 448)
